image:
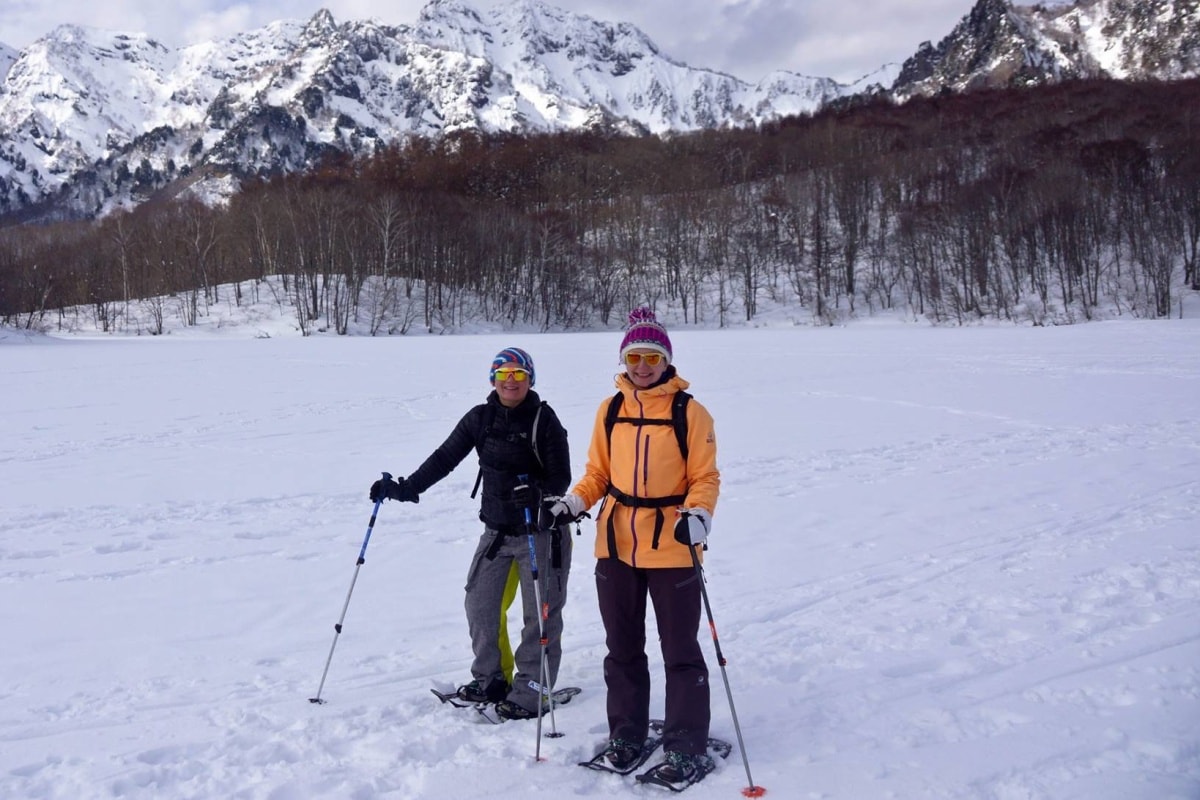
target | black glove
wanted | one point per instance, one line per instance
(693, 526)
(526, 496)
(400, 490)
(558, 511)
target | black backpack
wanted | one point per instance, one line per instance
(489, 417)
(678, 421)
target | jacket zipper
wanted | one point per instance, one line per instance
(637, 456)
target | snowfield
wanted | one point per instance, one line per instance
(947, 563)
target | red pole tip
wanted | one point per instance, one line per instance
(754, 791)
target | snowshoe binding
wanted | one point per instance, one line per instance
(473, 694)
(621, 756)
(677, 771)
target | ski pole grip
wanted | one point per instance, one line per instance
(362, 554)
(387, 476)
(528, 518)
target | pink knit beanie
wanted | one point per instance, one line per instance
(645, 332)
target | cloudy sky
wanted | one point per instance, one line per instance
(843, 39)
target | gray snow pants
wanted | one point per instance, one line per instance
(485, 588)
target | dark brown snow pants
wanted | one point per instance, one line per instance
(675, 593)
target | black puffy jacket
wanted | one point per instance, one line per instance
(505, 451)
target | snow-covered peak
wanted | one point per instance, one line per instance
(320, 23)
(1001, 43)
(452, 25)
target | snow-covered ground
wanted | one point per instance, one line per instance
(947, 563)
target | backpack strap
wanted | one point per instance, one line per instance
(533, 438)
(485, 427)
(657, 503)
(679, 420)
(610, 416)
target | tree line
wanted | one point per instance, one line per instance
(1040, 205)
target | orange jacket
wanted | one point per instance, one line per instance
(645, 462)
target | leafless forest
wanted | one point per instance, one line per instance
(1040, 206)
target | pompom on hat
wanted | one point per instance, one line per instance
(645, 332)
(513, 355)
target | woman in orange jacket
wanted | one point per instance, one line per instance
(653, 460)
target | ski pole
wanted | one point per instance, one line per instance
(545, 687)
(337, 629)
(751, 790)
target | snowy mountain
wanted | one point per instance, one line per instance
(1002, 44)
(93, 120)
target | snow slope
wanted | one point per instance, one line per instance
(946, 564)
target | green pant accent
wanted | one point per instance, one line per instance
(506, 601)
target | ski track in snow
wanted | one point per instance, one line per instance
(946, 564)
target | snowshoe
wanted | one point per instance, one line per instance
(505, 710)
(677, 771)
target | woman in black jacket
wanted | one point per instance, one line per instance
(515, 434)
